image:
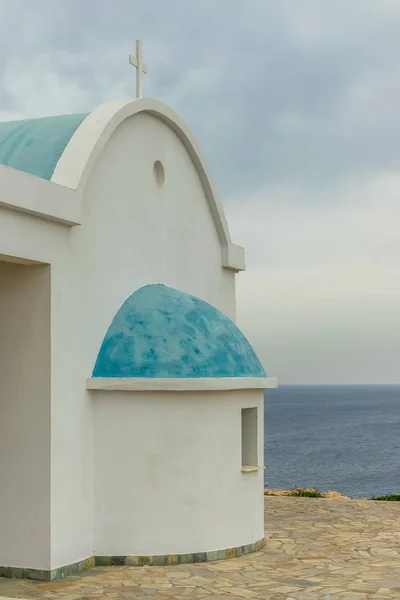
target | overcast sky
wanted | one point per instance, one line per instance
(296, 105)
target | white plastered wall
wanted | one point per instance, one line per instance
(132, 234)
(70, 495)
(168, 473)
(24, 415)
(142, 234)
(69, 532)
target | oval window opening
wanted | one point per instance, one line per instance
(158, 172)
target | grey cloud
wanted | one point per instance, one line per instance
(266, 87)
(320, 297)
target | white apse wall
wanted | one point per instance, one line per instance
(168, 476)
(133, 233)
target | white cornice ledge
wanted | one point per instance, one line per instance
(233, 257)
(32, 195)
(179, 384)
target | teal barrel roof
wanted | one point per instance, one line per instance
(35, 145)
(162, 332)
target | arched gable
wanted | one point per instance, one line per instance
(81, 153)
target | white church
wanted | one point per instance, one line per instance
(131, 405)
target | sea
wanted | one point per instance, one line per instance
(344, 438)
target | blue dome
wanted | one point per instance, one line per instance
(35, 145)
(162, 332)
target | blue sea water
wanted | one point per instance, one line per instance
(342, 438)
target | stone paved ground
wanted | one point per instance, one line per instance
(316, 549)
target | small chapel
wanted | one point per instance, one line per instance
(131, 405)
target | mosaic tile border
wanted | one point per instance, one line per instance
(179, 559)
(47, 575)
(132, 561)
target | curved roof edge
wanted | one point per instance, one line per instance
(82, 151)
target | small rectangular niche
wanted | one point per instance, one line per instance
(249, 440)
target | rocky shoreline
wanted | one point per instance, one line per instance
(306, 493)
(312, 493)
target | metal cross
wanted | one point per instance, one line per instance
(137, 61)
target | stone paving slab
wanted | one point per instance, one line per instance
(316, 549)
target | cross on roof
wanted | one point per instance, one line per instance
(137, 61)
